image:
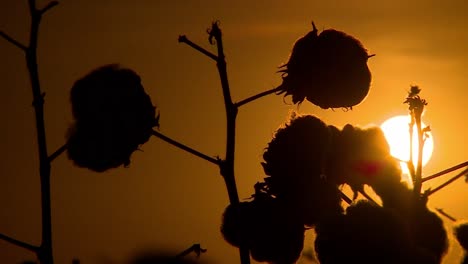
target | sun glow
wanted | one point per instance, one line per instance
(396, 130)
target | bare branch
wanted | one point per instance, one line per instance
(257, 96)
(13, 41)
(184, 39)
(345, 198)
(194, 248)
(32, 7)
(48, 7)
(456, 167)
(19, 243)
(430, 192)
(188, 149)
(58, 152)
(442, 212)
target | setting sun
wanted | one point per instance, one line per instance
(396, 130)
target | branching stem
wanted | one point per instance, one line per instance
(227, 166)
(44, 251)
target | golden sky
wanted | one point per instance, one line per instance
(168, 198)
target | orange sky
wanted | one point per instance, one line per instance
(167, 198)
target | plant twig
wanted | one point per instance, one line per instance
(438, 174)
(48, 7)
(184, 147)
(345, 198)
(58, 152)
(194, 248)
(184, 39)
(430, 191)
(367, 196)
(19, 243)
(12, 41)
(257, 96)
(442, 212)
(418, 179)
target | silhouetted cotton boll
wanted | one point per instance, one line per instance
(362, 156)
(461, 233)
(428, 231)
(113, 117)
(295, 161)
(366, 234)
(328, 69)
(269, 231)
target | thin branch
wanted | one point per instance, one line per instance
(345, 198)
(58, 152)
(430, 192)
(48, 7)
(367, 196)
(418, 180)
(19, 243)
(438, 174)
(194, 248)
(442, 212)
(257, 96)
(13, 41)
(184, 39)
(186, 148)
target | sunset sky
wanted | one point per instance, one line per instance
(168, 199)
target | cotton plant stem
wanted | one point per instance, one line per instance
(441, 173)
(227, 168)
(345, 198)
(442, 212)
(196, 248)
(58, 152)
(186, 148)
(445, 184)
(19, 243)
(418, 175)
(44, 252)
(257, 96)
(410, 162)
(12, 41)
(184, 39)
(227, 165)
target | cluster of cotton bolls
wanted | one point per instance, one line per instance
(306, 163)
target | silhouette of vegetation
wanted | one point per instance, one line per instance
(113, 116)
(461, 233)
(306, 164)
(328, 69)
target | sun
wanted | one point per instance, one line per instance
(396, 130)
